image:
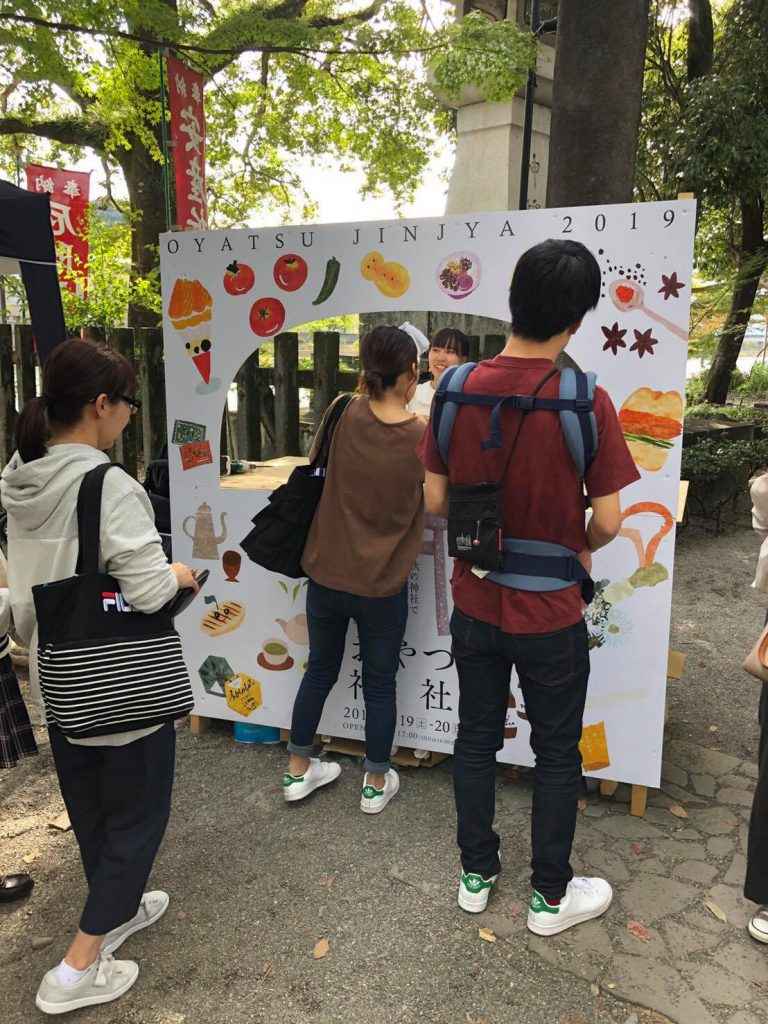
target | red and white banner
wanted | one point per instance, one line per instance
(69, 191)
(185, 93)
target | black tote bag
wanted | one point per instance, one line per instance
(280, 530)
(103, 666)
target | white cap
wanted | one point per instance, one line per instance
(420, 340)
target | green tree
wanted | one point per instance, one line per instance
(287, 79)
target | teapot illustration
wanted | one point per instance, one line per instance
(296, 629)
(204, 540)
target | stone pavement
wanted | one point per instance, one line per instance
(255, 884)
(683, 961)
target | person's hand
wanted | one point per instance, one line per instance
(185, 576)
(585, 557)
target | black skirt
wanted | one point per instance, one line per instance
(16, 737)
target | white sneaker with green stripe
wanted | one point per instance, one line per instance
(319, 773)
(474, 891)
(584, 899)
(373, 800)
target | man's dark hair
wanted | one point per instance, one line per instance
(554, 284)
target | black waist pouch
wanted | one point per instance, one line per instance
(475, 524)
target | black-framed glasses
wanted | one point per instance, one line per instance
(133, 403)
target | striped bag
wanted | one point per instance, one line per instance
(103, 666)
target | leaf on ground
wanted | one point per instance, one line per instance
(594, 989)
(322, 947)
(678, 811)
(582, 804)
(716, 911)
(30, 858)
(515, 908)
(639, 931)
(486, 934)
(637, 849)
(326, 881)
(471, 1019)
(61, 822)
(714, 728)
(267, 969)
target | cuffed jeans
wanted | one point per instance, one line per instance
(553, 669)
(118, 800)
(381, 627)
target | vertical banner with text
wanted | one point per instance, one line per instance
(185, 95)
(69, 192)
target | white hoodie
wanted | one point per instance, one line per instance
(40, 498)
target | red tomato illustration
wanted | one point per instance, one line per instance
(267, 317)
(290, 272)
(238, 278)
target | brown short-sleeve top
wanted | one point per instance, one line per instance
(367, 529)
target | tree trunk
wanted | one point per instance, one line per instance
(753, 260)
(701, 39)
(597, 93)
(144, 178)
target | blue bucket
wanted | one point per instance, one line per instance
(244, 732)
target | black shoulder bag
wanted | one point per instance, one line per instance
(280, 530)
(103, 666)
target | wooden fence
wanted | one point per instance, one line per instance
(268, 421)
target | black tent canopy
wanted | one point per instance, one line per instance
(27, 247)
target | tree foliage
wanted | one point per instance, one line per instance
(286, 79)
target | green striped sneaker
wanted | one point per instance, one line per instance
(373, 800)
(585, 899)
(474, 891)
(319, 773)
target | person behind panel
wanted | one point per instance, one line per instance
(362, 545)
(512, 618)
(449, 347)
(116, 787)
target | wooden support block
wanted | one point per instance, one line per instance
(675, 664)
(638, 801)
(608, 788)
(199, 725)
(682, 498)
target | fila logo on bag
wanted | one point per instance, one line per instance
(113, 601)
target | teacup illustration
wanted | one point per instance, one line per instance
(274, 655)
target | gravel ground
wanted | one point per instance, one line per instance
(255, 884)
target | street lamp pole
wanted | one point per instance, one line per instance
(537, 27)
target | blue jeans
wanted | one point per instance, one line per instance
(381, 627)
(553, 669)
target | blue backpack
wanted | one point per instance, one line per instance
(475, 511)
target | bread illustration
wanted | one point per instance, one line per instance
(594, 748)
(190, 304)
(223, 618)
(243, 694)
(650, 421)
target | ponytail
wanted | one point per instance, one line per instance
(32, 430)
(75, 373)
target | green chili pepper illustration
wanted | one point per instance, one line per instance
(332, 269)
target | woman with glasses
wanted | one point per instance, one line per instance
(117, 788)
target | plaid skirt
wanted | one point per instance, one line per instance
(16, 737)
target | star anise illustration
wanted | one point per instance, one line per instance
(614, 338)
(644, 343)
(671, 286)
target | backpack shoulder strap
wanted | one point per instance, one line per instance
(89, 517)
(579, 424)
(444, 409)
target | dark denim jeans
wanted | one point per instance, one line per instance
(756, 882)
(553, 669)
(381, 627)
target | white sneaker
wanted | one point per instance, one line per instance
(105, 980)
(584, 899)
(372, 800)
(319, 773)
(758, 925)
(152, 907)
(474, 891)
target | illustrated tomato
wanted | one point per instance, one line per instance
(238, 278)
(290, 272)
(267, 317)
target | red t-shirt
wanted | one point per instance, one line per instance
(543, 496)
